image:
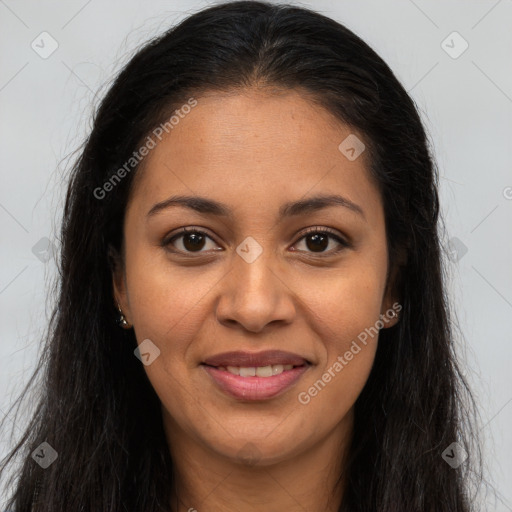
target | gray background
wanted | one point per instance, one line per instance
(465, 101)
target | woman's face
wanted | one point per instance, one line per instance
(256, 168)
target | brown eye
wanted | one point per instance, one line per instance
(192, 240)
(317, 240)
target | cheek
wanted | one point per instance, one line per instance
(344, 312)
(167, 307)
(345, 304)
(165, 300)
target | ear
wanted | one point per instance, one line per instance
(391, 299)
(116, 265)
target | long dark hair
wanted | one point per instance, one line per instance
(98, 410)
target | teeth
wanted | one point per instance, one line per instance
(247, 372)
(265, 371)
(259, 371)
(277, 369)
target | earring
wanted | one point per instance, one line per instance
(121, 321)
(394, 314)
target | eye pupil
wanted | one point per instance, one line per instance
(196, 239)
(319, 241)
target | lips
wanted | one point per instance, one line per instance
(254, 388)
(255, 359)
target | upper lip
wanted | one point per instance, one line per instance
(251, 359)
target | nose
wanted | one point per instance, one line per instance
(254, 295)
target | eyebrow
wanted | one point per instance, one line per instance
(207, 206)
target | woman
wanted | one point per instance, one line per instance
(252, 312)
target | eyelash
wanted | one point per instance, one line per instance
(313, 230)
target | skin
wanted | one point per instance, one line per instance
(253, 151)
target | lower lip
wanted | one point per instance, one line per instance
(255, 388)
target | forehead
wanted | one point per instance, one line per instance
(245, 147)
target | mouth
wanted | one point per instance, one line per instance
(255, 376)
(241, 359)
(257, 371)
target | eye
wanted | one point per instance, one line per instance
(317, 238)
(193, 240)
